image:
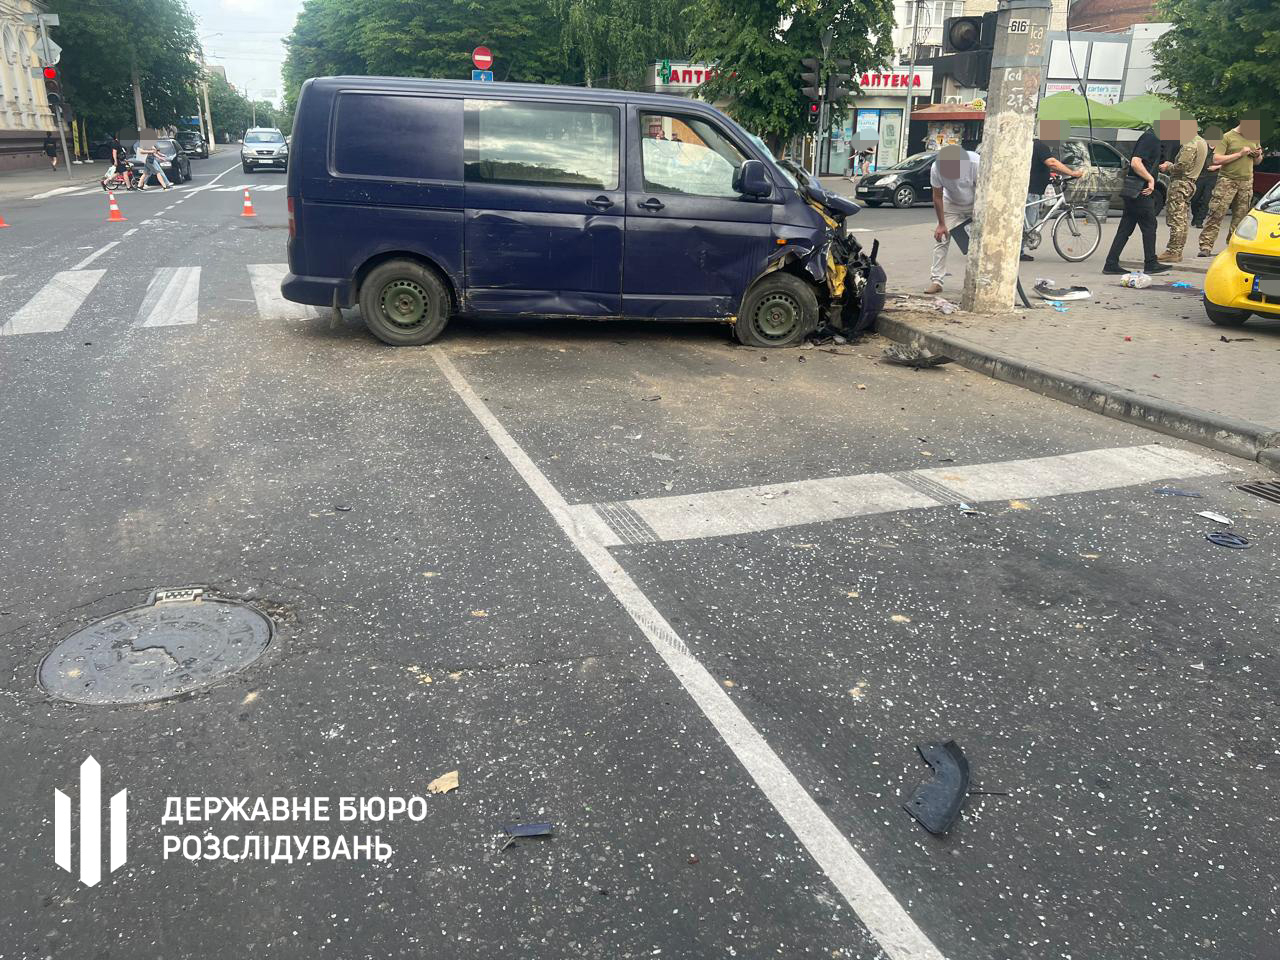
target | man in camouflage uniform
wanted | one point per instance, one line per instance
(1234, 190)
(1183, 171)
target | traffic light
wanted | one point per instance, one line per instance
(838, 80)
(811, 76)
(53, 86)
(967, 43)
(815, 110)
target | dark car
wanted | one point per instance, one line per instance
(517, 199)
(193, 144)
(176, 164)
(904, 184)
(1110, 162)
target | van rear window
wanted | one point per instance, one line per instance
(401, 137)
(568, 145)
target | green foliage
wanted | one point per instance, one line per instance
(759, 58)
(1221, 59)
(615, 41)
(231, 111)
(423, 38)
(101, 40)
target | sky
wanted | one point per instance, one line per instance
(245, 37)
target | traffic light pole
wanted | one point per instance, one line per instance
(1013, 93)
(57, 110)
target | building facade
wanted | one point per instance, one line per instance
(25, 116)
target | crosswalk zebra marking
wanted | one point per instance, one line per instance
(173, 298)
(266, 279)
(52, 308)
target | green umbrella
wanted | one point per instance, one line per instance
(1146, 108)
(1073, 110)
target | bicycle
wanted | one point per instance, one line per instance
(1076, 232)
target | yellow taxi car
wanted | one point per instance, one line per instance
(1244, 279)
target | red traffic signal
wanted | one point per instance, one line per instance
(52, 86)
(51, 73)
(814, 111)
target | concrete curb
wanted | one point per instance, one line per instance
(1228, 434)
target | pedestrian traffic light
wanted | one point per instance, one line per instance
(53, 86)
(815, 110)
(811, 76)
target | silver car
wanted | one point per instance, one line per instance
(264, 147)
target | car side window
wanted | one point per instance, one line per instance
(1105, 156)
(687, 155)
(543, 144)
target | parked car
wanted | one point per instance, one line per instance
(100, 149)
(1244, 279)
(497, 199)
(1266, 174)
(903, 184)
(193, 144)
(264, 147)
(1110, 162)
(176, 164)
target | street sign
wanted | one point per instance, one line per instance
(482, 76)
(48, 52)
(482, 58)
(50, 19)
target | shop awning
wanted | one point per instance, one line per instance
(1069, 108)
(948, 111)
(1146, 108)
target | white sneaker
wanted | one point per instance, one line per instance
(934, 287)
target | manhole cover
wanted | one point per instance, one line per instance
(182, 640)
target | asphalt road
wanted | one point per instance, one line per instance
(610, 574)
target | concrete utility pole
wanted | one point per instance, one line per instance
(1013, 93)
(905, 135)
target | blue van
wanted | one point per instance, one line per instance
(421, 200)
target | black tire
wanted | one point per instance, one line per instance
(421, 301)
(1225, 316)
(904, 196)
(778, 311)
(246, 167)
(873, 203)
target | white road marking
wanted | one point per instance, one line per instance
(173, 298)
(875, 905)
(54, 192)
(266, 279)
(52, 308)
(267, 187)
(209, 185)
(130, 232)
(720, 513)
(95, 255)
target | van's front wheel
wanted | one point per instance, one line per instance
(404, 303)
(777, 312)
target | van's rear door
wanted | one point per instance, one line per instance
(693, 242)
(544, 208)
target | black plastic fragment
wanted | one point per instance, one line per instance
(529, 829)
(937, 802)
(1175, 492)
(1225, 538)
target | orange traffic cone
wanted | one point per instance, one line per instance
(248, 206)
(115, 216)
(2, 223)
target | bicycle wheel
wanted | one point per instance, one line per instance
(1076, 234)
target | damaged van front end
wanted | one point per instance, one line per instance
(847, 279)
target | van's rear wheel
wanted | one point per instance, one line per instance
(404, 303)
(777, 312)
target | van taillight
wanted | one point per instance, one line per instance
(293, 229)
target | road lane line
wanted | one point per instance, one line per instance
(209, 185)
(130, 232)
(266, 279)
(720, 513)
(173, 298)
(54, 192)
(871, 900)
(53, 306)
(95, 255)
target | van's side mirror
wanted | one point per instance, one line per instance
(752, 179)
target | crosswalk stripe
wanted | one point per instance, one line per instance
(267, 187)
(266, 278)
(53, 306)
(173, 298)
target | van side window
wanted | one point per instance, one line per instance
(397, 137)
(687, 155)
(543, 144)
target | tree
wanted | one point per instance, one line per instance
(617, 40)
(231, 111)
(757, 46)
(1221, 59)
(113, 47)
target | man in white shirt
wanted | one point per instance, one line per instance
(954, 178)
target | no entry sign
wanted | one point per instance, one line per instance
(482, 58)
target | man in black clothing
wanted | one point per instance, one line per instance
(1044, 163)
(1205, 183)
(1139, 210)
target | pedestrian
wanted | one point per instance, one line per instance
(150, 166)
(1234, 162)
(1139, 207)
(954, 178)
(51, 149)
(1183, 172)
(1044, 163)
(1208, 178)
